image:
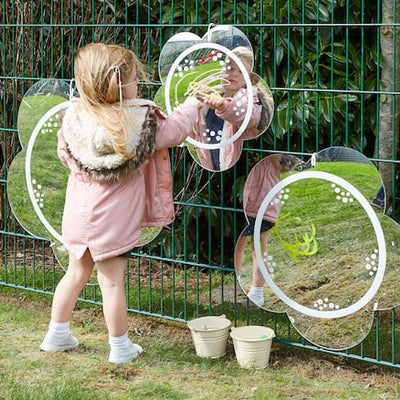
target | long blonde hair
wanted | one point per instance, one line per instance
(101, 71)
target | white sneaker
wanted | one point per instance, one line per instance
(256, 297)
(53, 343)
(129, 353)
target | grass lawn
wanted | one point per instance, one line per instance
(169, 368)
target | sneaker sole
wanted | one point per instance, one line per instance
(49, 348)
(130, 357)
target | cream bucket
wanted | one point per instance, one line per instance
(210, 335)
(252, 345)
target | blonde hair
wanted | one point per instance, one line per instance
(100, 72)
(245, 55)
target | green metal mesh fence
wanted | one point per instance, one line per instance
(331, 66)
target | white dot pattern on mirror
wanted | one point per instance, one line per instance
(185, 67)
(50, 125)
(188, 64)
(345, 197)
(371, 265)
(209, 134)
(271, 265)
(39, 197)
(240, 104)
(325, 304)
(280, 197)
(284, 195)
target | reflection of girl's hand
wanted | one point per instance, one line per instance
(217, 103)
(193, 101)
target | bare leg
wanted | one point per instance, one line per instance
(258, 279)
(58, 336)
(239, 253)
(111, 274)
(70, 286)
(256, 291)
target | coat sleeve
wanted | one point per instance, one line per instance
(231, 115)
(62, 151)
(174, 128)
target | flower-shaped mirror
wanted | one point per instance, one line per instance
(218, 69)
(318, 249)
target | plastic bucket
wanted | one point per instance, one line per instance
(252, 345)
(210, 335)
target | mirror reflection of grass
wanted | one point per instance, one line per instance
(48, 174)
(179, 85)
(31, 110)
(49, 177)
(338, 333)
(147, 234)
(337, 273)
(344, 235)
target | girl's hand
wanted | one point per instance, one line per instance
(194, 101)
(217, 103)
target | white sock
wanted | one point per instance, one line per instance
(118, 342)
(59, 329)
(257, 290)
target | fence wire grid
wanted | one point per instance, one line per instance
(332, 67)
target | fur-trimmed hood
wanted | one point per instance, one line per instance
(90, 144)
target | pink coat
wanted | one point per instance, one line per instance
(230, 154)
(106, 217)
(262, 178)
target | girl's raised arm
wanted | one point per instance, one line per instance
(175, 128)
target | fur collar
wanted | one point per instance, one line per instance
(90, 145)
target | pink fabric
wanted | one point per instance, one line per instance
(262, 178)
(233, 121)
(107, 218)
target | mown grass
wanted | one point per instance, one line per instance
(169, 368)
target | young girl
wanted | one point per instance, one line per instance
(116, 148)
(222, 116)
(262, 178)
